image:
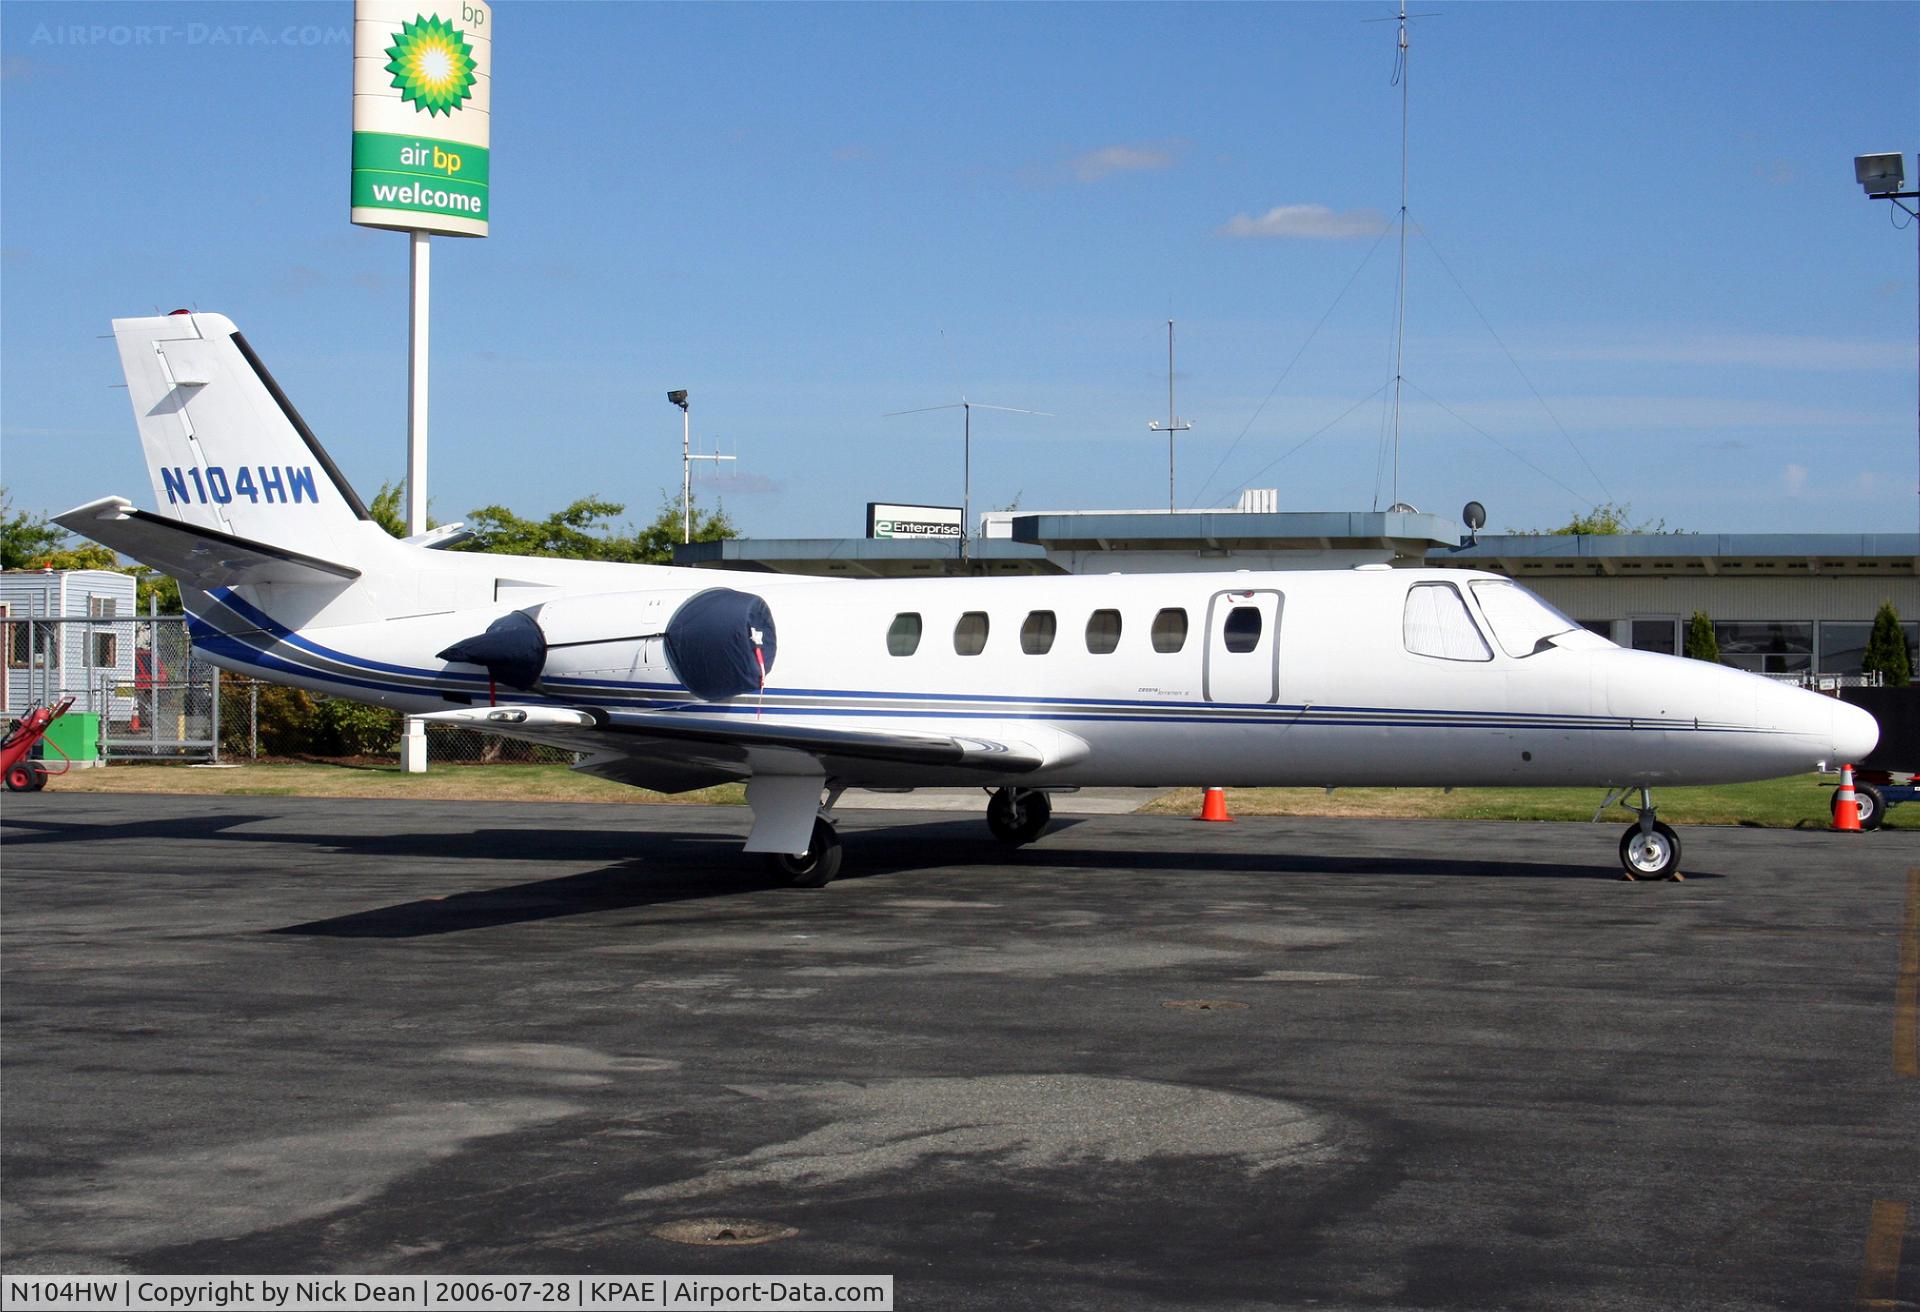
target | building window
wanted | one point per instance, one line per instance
(970, 634)
(1170, 630)
(1036, 635)
(1242, 630)
(1766, 646)
(106, 650)
(903, 635)
(1103, 631)
(41, 638)
(1659, 635)
(1436, 623)
(1843, 645)
(103, 608)
(1602, 627)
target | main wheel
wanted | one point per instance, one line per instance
(816, 867)
(26, 777)
(1017, 816)
(1873, 805)
(1651, 855)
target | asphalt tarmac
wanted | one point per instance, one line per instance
(1145, 1063)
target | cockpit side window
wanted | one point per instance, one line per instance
(1436, 623)
(1520, 621)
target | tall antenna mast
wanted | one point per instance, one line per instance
(1400, 313)
(1174, 425)
(966, 408)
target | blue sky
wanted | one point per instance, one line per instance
(813, 215)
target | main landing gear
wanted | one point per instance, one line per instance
(1649, 849)
(1017, 816)
(814, 868)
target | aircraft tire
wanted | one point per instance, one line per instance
(1655, 855)
(26, 777)
(1017, 816)
(1873, 805)
(816, 867)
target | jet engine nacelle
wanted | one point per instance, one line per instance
(717, 642)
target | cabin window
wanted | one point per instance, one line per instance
(970, 634)
(1242, 630)
(106, 650)
(1436, 623)
(1036, 635)
(1170, 630)
(1103, 631)
(903, 635)
(1520, 621)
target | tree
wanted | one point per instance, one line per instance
(1607, 518)
(388, 509)
(581, 531)
(1702, 644)
(1887, 651)
(25, 538)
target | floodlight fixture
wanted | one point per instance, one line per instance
(1880, 175)
(678, 397)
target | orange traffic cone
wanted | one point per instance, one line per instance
(1846, 804)
(1214, 807)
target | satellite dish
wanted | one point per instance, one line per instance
(1474, 516)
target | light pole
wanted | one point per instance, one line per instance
(1881, 177)
(679, 397)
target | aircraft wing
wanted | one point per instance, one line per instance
(675, 751)
(204, 557)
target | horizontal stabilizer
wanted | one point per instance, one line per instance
(203, 557)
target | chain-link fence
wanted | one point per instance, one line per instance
(141, 692)
(138, 688)
(267, 721)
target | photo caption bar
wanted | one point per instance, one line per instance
(650, 1293)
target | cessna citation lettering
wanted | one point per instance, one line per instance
(671, 679)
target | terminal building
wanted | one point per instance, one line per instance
(1781, 604)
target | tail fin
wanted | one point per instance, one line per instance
(225, 447)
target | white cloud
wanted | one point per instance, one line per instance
(1794, 479)
(1108, 160)
(1312, 222)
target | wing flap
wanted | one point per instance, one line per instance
(672, 751)
(204, 557)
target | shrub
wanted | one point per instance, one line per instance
(1701, 644)
(1887, 649)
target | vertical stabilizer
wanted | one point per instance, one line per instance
(225, 448)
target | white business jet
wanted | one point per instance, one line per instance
(672, 679)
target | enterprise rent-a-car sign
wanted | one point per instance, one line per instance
(885, 520)
(422, 114)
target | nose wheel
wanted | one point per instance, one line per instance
(1650, 849)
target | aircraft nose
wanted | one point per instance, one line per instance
(1852, 731)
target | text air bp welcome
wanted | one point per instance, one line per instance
(422, 115)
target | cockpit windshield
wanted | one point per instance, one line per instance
(1521, 622)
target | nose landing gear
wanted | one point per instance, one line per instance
(1649, 849)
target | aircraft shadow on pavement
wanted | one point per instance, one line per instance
(660, 869)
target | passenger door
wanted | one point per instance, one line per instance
(1242, 662)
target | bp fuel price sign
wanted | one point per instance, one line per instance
(422, 114)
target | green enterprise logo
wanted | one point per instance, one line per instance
(432, 64)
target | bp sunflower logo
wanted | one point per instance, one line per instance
(432, 64)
